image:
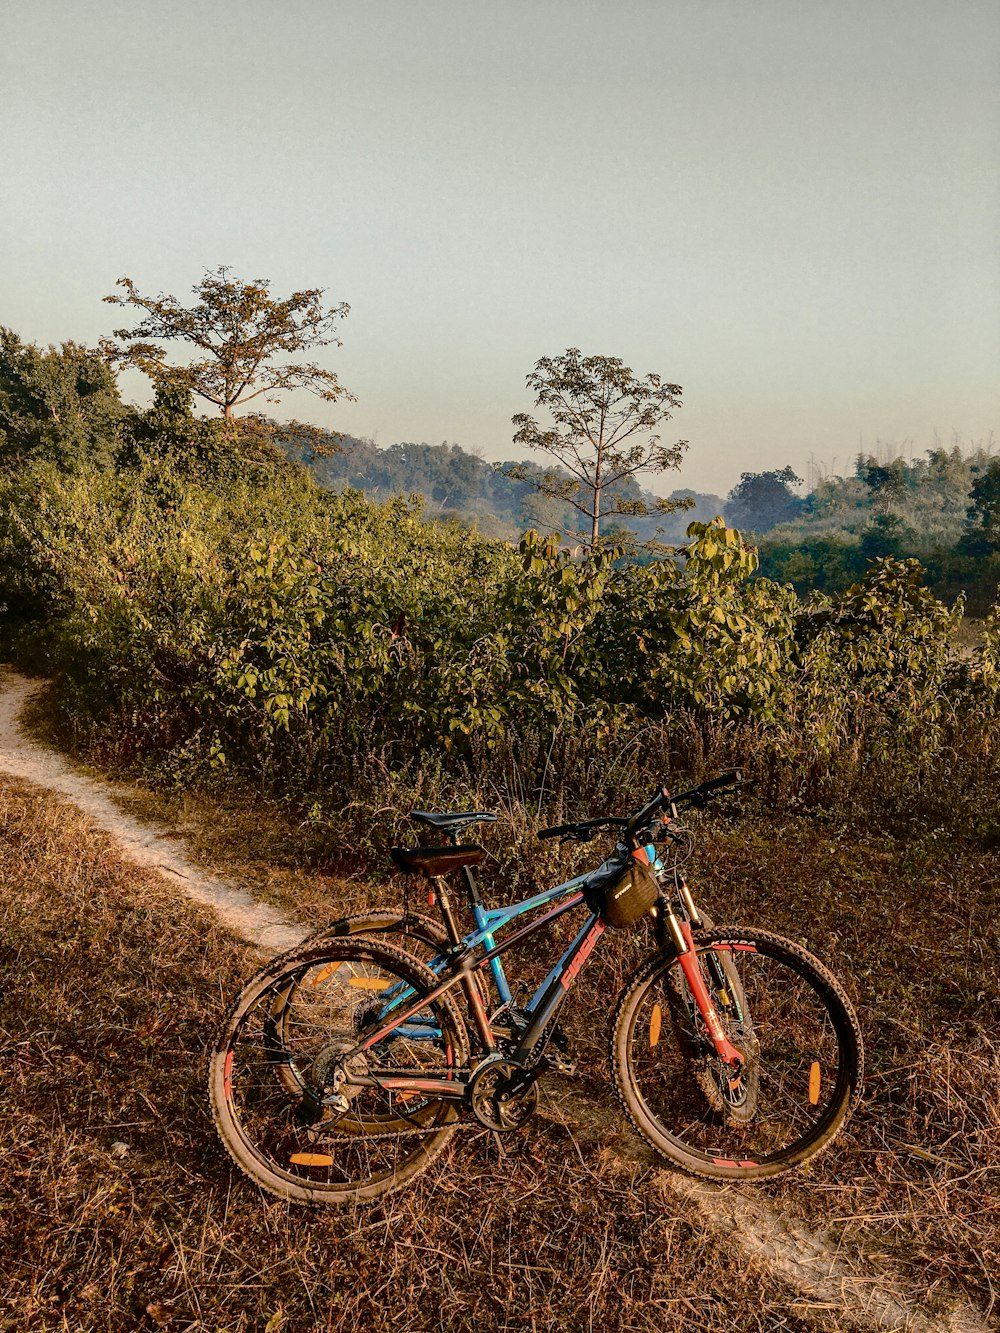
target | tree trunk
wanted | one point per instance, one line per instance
(595, 519)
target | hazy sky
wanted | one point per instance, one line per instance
(788, 208)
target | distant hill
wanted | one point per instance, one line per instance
(459, 485)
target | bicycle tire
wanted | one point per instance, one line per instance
(424, 938)
(806, 1055)
(424, 931)
(293, 1145)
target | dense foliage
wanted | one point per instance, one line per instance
(943, 509)
(208, 607)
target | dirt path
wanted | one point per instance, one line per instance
(266, 927)
(826, 1273)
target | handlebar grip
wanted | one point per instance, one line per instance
(723, 780)
(556, 832)
(698, 796)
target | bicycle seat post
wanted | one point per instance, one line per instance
(471, 888)
(469, 986)
(440, 891)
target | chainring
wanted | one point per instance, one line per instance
(503, 1095)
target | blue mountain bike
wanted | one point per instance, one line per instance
(345, 1067)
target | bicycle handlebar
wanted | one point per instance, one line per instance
(694, 797)
(698, 796)
(582, 832)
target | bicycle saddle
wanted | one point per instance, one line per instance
(453, 823)
(436, 861)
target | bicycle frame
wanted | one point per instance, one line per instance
(489, 920)
(458, 966)
(458, 970)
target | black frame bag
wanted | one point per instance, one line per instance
(622, 894)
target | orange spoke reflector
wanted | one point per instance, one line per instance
(814, 1083)
(311, 1159)
(655, 1023)
(323, 973)
(369, 983)
(402, 1096)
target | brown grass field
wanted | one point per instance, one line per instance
(119, 1209)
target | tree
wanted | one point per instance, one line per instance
(886, 535)
(887, 483)
(61, 403)
(242, 333)
(762, 500)
(603, 433)
(168, 429)
(982, 527)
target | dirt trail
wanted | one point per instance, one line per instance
(826, 1273)
(266, 927)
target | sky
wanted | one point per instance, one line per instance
(789, 209)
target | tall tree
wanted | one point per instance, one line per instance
(241, 336)
(982, 525)
(603, 428)
(886, 482)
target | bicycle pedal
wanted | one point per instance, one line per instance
(561, 1062)
(560, 1053)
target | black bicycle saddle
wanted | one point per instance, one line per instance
(453, 823)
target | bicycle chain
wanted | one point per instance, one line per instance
(396, 1133)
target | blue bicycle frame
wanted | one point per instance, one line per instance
(489, 920)
(460, 963)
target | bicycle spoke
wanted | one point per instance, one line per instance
(284, 1073)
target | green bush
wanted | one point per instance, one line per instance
(206, 620)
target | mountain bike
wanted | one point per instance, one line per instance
(344, 1068)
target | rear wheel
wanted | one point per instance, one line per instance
(801, 1069)
(301, 1016)
(418, 935)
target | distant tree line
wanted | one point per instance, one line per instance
(942, 509)
(599, 427)
(502, 501)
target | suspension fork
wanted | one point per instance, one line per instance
(693, 914)
(682, 937)
(687, 898)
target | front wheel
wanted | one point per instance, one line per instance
(802, 1057)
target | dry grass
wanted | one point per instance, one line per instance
(119, 1210)
(913, 926)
